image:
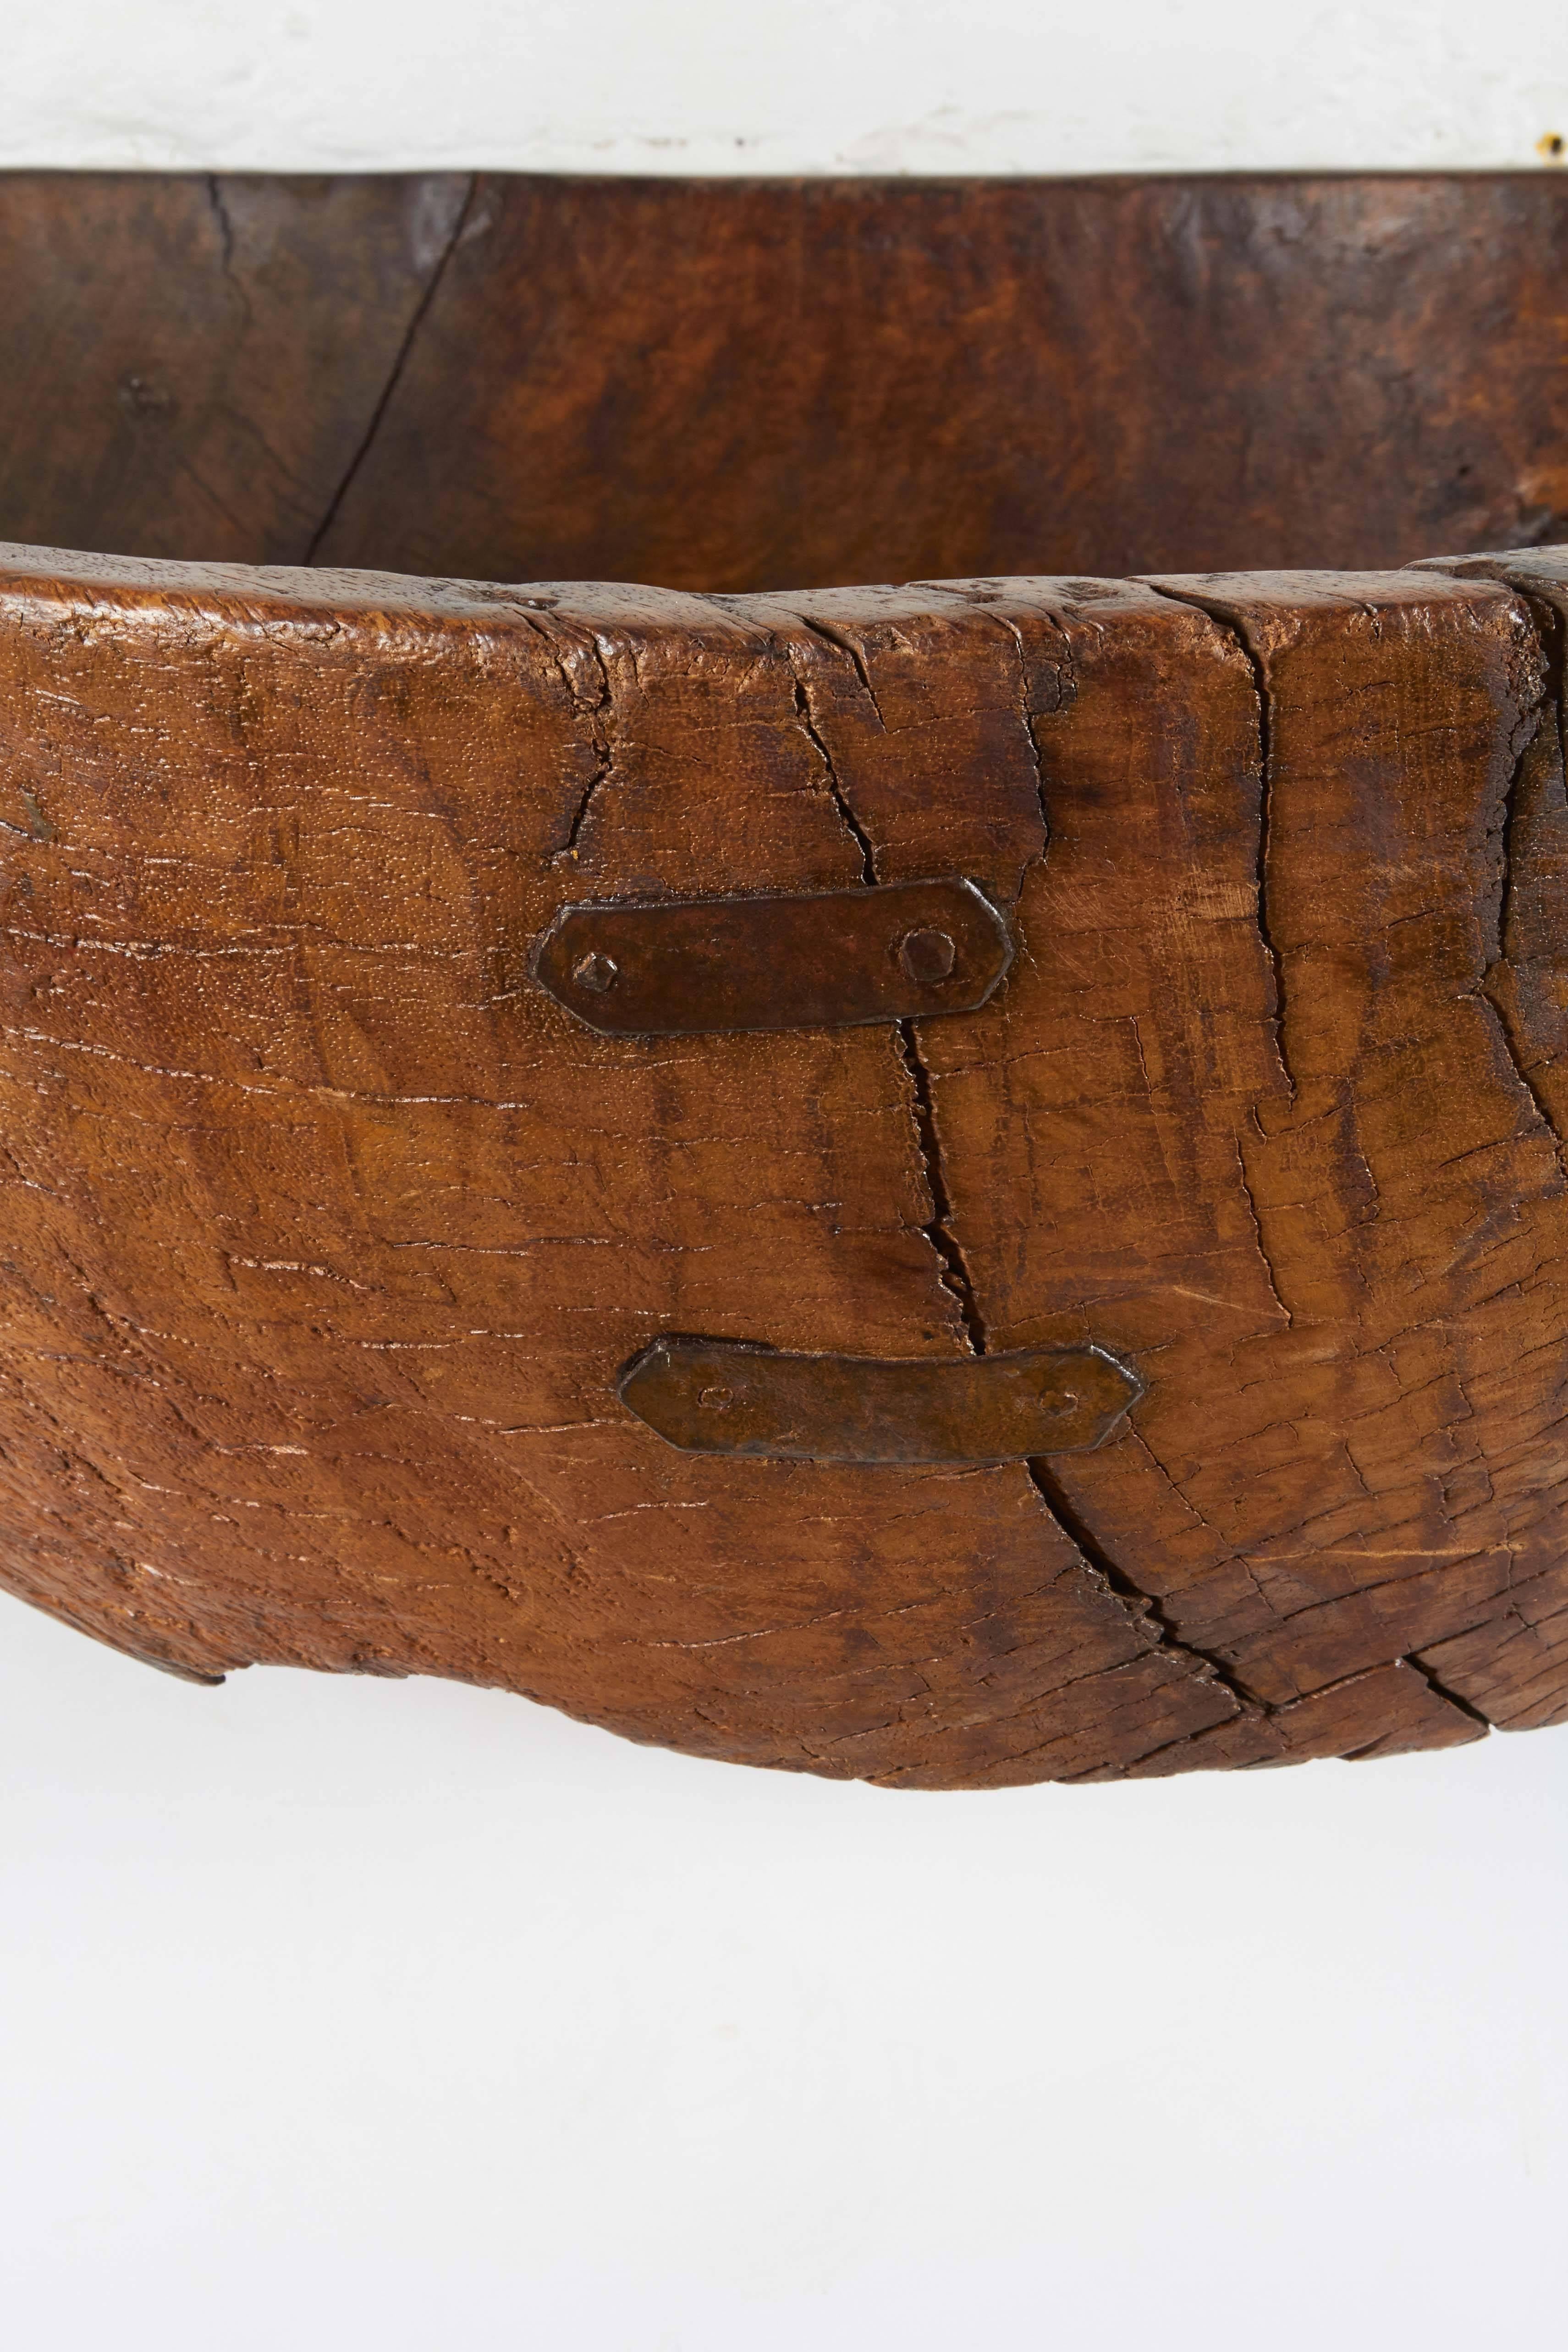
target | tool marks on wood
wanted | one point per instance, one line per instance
(331, 1231)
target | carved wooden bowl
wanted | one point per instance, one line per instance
(955, 1184)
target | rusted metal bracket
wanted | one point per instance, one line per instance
(826, 959)
(730, 1396)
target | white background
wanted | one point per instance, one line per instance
(395, 2016)
(381, 2017)
(781, 85)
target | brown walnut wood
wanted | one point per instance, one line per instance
(328, 1233)
(748, 384)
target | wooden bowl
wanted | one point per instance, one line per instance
(953, 1184)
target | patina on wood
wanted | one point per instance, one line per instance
(339, 1197)
(329, 1232)
(748, 384)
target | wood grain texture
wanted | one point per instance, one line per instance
(327, 1233)
(734, 385)
(739, 385)
(190, 364)
(1268, 1119)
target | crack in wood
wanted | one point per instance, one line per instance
(955, 1274)
(852, 826)
(1548, 631)
(958, 1282)
(1441, 1690)
(395, 373)
(1138, 1603)
(1236, 633)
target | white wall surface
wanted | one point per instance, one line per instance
(370, 2017)
(380, 2017)
(781, 85)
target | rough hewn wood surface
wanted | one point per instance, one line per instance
(744, 385)
(327, 1233)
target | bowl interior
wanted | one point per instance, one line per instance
(741, 385)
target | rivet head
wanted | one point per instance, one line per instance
(927, 955)
(597, 972)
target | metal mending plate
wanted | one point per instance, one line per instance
(731, 1396)
(818, 959)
